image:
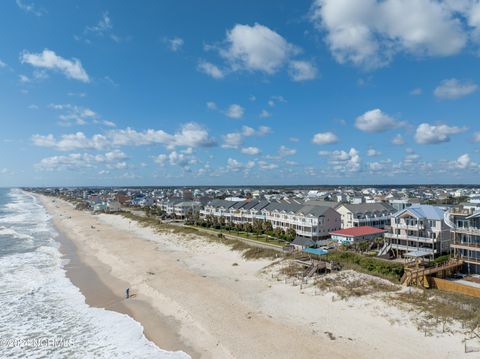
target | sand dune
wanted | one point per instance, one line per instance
(211, 308)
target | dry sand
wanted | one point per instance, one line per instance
(189, 296)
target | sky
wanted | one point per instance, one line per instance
(239, 93)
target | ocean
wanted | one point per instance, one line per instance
(42, 313)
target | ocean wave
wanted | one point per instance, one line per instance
(39, 301)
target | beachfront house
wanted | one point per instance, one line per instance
(464, 222)
(308, 220)
(365, 214)
(311, 221)
(357, 234)
(419, 228)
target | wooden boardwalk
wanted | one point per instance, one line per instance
(420, 276)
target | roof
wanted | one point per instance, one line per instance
(303, 241)
(361, 208)
(358, 231)
(424, 211)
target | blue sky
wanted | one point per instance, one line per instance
(224, 92)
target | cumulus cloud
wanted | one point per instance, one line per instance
(373, 152)
(264, 114)
(232, 140)
(476, 137)
(452, 89)
(256, 48)
(434, 134)
(77, 161)
(252, 151)
(235, 111)
(189, 135)
(398, 140)
(343, 161)
(175, 43)
(76, 115)
(375, 121)
(284, 151)
(236, 139)
(302, 71)
(325, 138)
(210, 69)
(48, 59)
(368, 33)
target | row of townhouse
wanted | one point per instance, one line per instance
(179, 207)
(419, 229)
(464, 222)
(365, 214)
(308, 220)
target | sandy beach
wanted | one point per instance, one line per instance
(202, 298)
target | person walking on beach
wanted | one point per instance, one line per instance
(127, 293)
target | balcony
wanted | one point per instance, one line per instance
(466, 245)
(471, 230)
(410, 238)
(411, 227)
(403, 247)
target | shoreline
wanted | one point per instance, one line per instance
(212, 303)
(91, 279)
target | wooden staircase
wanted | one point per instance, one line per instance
(420, 276)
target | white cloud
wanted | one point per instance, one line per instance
(343, 161)
(285, 151)
(235, 111)
(236, 139)
(75, 115)
(175, 43)
(189, 135)
(252, 151)
(30, 7)
(210, 69)
(433, 134)
(452, 89)
(232, 140)
(463, 161)
(368, 33)
(325, 138)
(256, 48)
(476, 137)
(103, 28)
(264, 114)
(47, 59)
(302, 71)
(398, 140)
(161, 159)
(416, 92)
(2, 64)
(373, 152)
(212, 105)
(23, 79)
(78, 161)
(375, 121)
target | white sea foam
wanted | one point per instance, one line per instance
(38, 301)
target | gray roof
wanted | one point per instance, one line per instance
(361, 208)
(217, 203)
(424, 211)
(303, 241)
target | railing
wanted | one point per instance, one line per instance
(470, 230)
(410, 238)
(413, 227)
(447, 220)
(465, 245)
(413, 248)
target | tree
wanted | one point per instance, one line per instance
(290, 234)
